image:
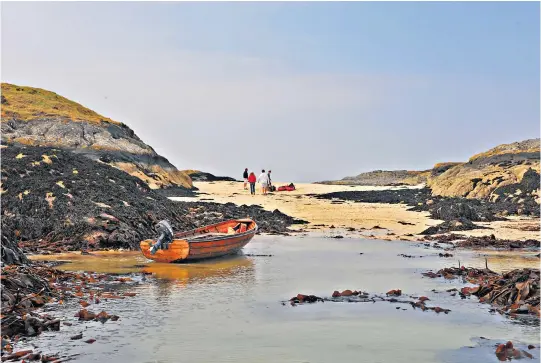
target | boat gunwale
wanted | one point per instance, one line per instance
(222, 237)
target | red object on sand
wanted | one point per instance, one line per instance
(285, 188)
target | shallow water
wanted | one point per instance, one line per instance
(230, 310)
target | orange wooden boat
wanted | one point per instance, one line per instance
(212, 241)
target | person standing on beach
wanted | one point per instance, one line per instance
(245, 177)
(264, 180)
(270, 181)
(252, 179)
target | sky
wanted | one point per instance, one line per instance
(314, 91)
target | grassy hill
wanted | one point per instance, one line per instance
(27, 103)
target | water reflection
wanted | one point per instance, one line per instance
(208, 272)
(169, 280)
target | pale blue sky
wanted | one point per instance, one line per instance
(311, 90)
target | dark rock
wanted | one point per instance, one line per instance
(485, 242)
(406, 223)
(11, 253)
(301, 298)
(378, 177)
(202, 176)
(462, 224)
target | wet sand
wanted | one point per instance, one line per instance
(345, 215)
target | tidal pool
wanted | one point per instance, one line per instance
(230, 310)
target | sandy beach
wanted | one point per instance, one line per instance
(322, 214)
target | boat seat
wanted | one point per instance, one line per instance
(206, 235)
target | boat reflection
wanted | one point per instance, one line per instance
(235, 267)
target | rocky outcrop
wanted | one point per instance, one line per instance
(32, 116)
(496, 173)
(197, 175)
(382, 177)
(492, 174)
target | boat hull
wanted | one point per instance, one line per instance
(200, 245)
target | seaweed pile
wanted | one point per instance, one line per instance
(26, 288)
(515, 292)
(360, 297)
(507, 351)
(54, 200)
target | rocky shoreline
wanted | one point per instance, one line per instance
(30, 294)
(458, 214)
(56, 201)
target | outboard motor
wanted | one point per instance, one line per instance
(166, 236)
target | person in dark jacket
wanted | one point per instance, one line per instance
(245, 177)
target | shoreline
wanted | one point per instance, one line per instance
(367, 220)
